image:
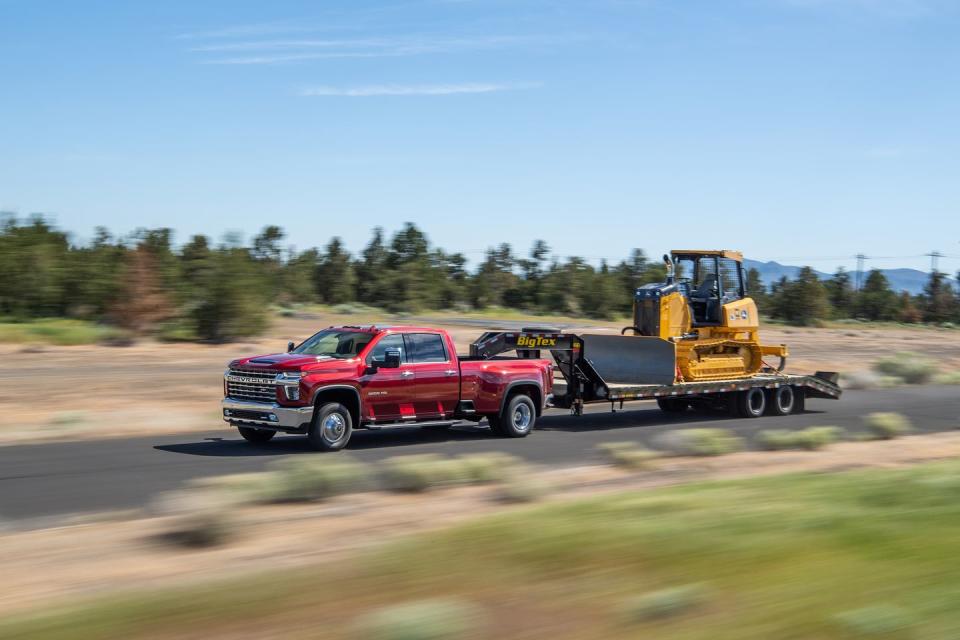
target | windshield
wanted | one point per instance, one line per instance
(335, 343)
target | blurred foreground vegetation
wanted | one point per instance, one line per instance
(865, 554)
(143, 284)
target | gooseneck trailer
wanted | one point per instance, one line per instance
(605, 369)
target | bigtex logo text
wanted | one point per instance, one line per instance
(536, 341)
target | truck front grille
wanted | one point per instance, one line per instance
(258, 385)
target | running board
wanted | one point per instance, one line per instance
(410, 423)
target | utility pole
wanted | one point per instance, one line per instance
(860, 258)
(934, 257)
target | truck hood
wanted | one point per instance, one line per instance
(292, 361)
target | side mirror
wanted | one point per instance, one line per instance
(290, 347)
(391, 359)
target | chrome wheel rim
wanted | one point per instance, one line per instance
(521, 417)
(334, 427)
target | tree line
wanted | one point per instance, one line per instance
(203, 290)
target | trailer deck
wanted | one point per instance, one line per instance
(819, 385)
(601, 368)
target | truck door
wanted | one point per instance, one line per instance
(436, 376)
(387, 394)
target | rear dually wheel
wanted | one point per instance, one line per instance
(517, 419)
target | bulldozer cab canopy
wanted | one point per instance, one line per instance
(721, 253)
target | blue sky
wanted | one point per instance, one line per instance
(796, 130)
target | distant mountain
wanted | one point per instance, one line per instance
(910, 280)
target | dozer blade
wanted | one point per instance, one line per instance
(631, 359)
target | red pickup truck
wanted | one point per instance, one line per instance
(346, 378)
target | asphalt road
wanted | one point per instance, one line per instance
(56, 479)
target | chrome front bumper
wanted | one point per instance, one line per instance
(266, 414)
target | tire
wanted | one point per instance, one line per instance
(751, 403)
(256, 436)
(517, 419)
(331, 427)
(781, 401)
(672, 405)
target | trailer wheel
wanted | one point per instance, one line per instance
(751, 403)
(331, 428)
(780, 401)
(256, 436)
(672, 405)
(799, 399)
(517, 419)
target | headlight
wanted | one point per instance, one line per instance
(291, 384)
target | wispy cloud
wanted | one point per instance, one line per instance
(291, 50)
(413, 89)
(247, 31)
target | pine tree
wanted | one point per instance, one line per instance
(876, 300)
(803, 301)
(840, 293)
(334, 274)
(757, 290)
(938, 300)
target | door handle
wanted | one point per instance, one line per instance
(451, 372)
(406, 374)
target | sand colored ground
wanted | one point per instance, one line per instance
(97, 391)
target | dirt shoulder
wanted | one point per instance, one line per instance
(56, 393)
(58, 564)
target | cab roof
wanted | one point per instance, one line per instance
(723, 253)
(372, 328)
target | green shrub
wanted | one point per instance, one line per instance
(56, 331)
(522, 484)
(243, 488)
(886, 426)
(912, 368)
(953, 377)
(484, 468)
(308, 478)
(700, 442)
(445, 619)
(177, 331)
(627, 455)
(422, 472)
(875, 620)
(68, 418)
(776, 439)
(810, 439)
(664, 603)
(819, 437)
(196, 518)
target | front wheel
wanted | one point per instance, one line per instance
(331, 428)
(517, 418)
(257, 436)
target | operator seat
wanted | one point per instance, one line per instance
(704, 301)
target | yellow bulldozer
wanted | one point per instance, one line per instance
(703, 318)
